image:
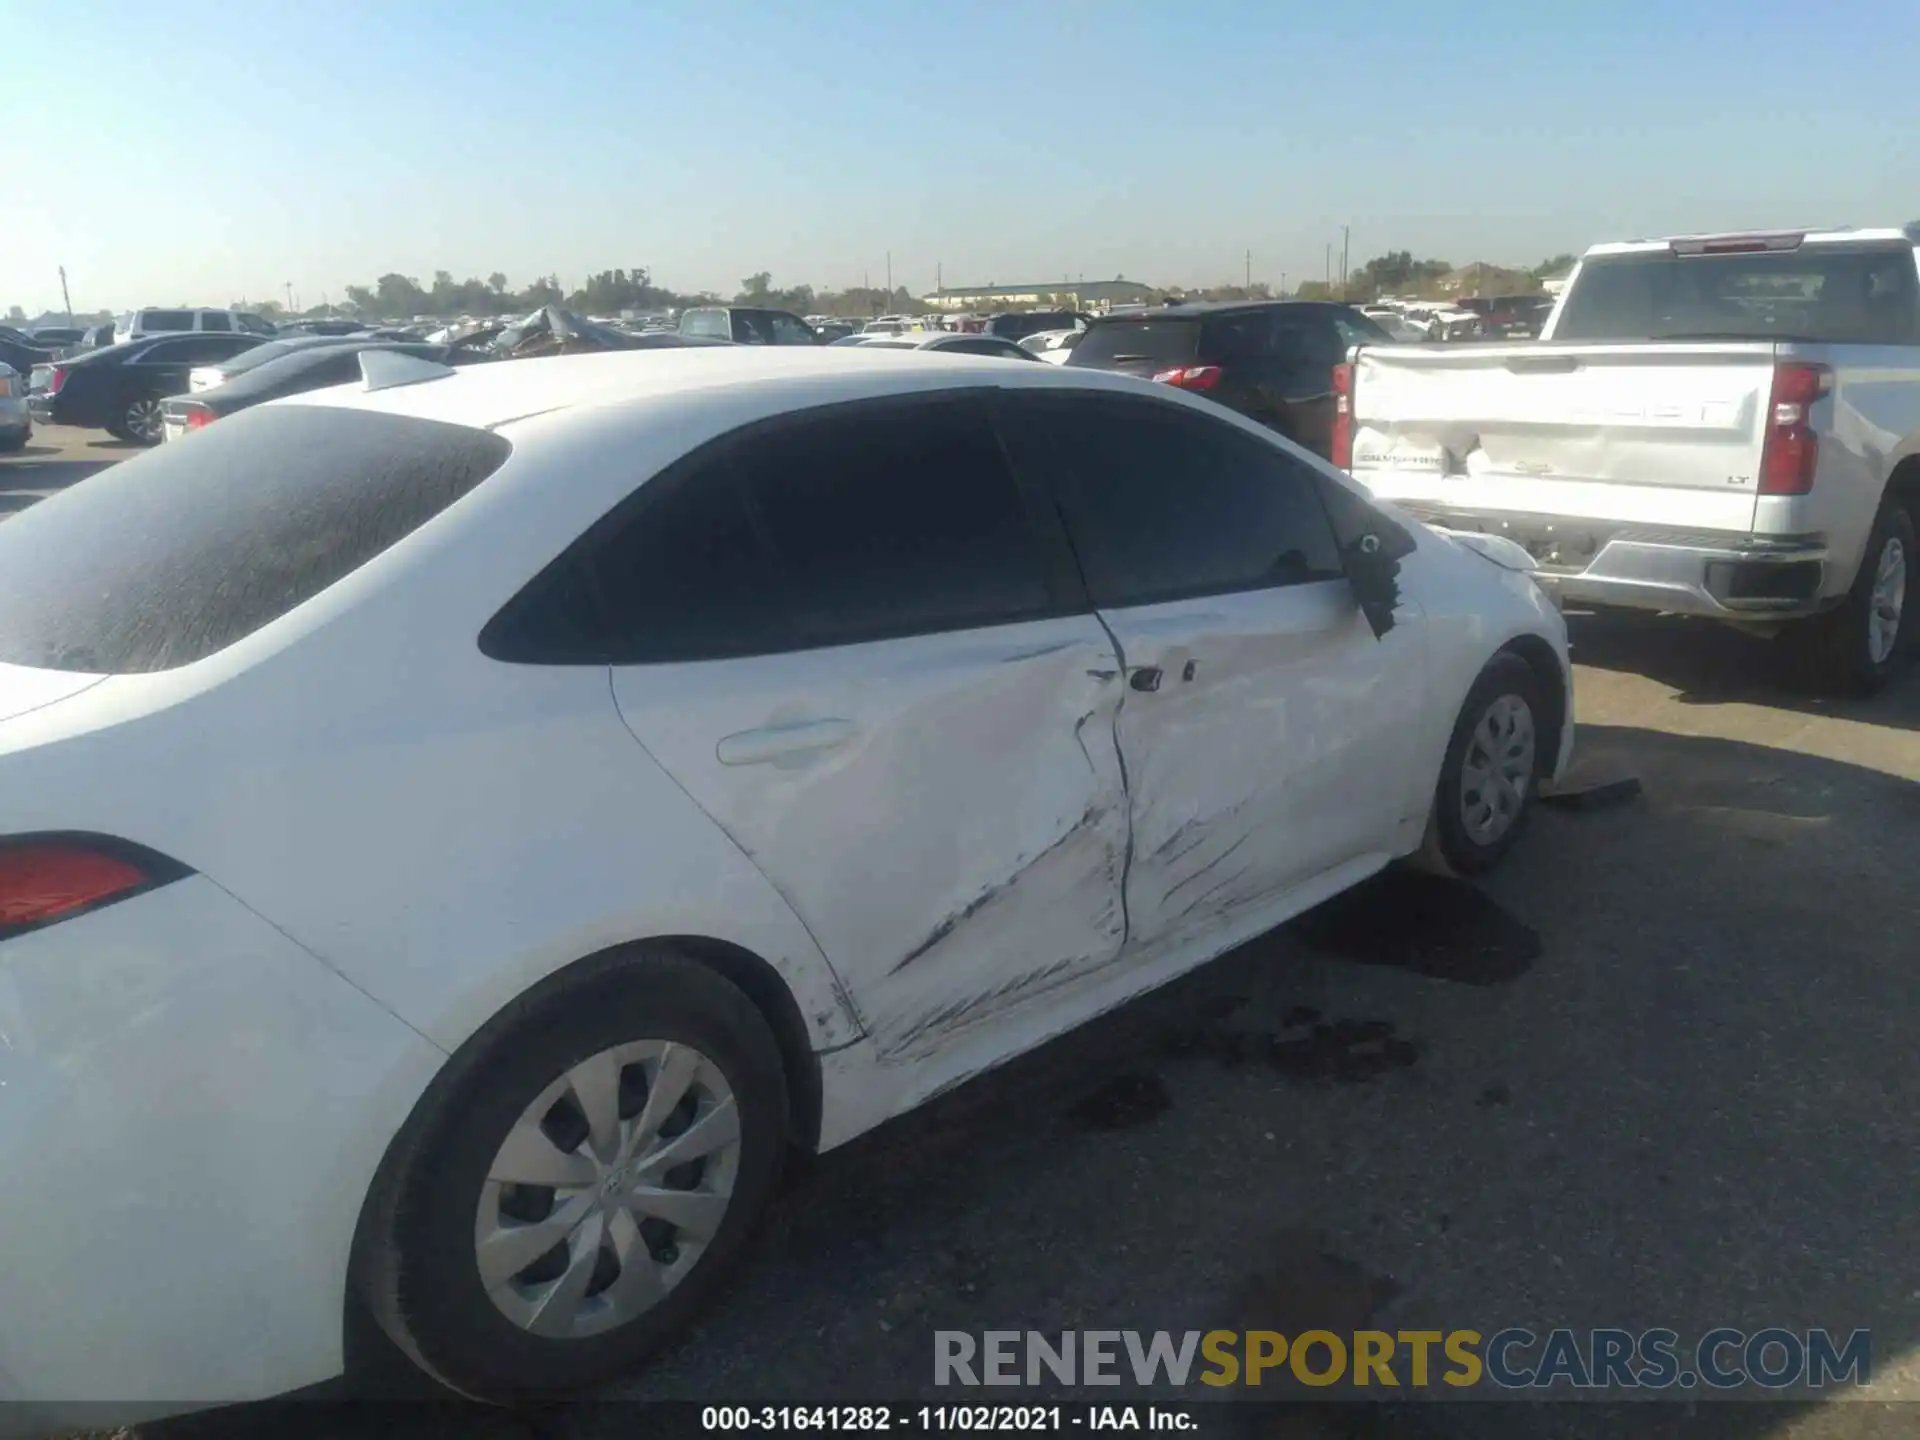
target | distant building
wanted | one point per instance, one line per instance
(1075, 295)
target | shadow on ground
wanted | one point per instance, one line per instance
(1656, 1071)
(30, 475)
(1710, 664)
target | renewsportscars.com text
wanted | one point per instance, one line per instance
(1511, 1359)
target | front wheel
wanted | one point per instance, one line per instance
(581, 1184)
(1859, 645)
(1488, 778)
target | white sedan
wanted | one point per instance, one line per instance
(461, 830)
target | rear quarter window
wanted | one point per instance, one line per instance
(171, 557)
(166, 320)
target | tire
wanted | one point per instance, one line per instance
(1506, 693)
(419, 1269)
(10, 444)
(140, 421)
(1850, 650)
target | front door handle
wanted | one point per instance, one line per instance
(780, 742)
(1146, 677)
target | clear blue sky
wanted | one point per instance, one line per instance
(218, 150)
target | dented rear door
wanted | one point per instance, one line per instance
(898, 707)
(1263, 722)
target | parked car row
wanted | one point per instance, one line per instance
(16, 421)
(704, 793)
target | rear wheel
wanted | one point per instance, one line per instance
(1861, 644)
(1488, 778)
(140, 421)
(582, 1184)
(11, 443)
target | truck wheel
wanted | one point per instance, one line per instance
(1861, 644)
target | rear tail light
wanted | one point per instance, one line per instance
(1340, 443)
(1790, 451)
(57, 377)
(1190, 377)
(49, 878)
(199, 417)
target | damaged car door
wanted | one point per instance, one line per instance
(1263, 721)
(867, 656)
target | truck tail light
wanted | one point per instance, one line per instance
(1790, 451)
(1340, 445)
(1190, 377)
(56, 377)
(48, 878)
(198, 417)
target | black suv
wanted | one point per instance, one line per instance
(1272, 361)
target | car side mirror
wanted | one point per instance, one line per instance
(1371, 548)
(1374, 572)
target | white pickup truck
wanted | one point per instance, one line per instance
(1718, 425)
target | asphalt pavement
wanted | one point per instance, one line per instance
(1655, 1072)
(55, 457)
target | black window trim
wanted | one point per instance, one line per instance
(576, 564)
(1148, 402)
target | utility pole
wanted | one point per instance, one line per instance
(1283, 284)
(1329, 269)
(1345, 231)
(289, 297)
(939, 278)
(65, 298)
(1249, 269)
(889, 276)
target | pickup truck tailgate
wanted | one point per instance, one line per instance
(1637, 434)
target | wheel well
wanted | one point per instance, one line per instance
(1553, 686)
(755, 978)
(1905, 482)
(762, 984)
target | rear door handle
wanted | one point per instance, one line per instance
(778, 742)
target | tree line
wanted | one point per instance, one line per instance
(1398, 273)
(606, 293)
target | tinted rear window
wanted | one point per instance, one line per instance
(166, 320)
(170, 557)
(1830, 293)
(1166, 341)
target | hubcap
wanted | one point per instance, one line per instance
(608, 1189)
(1888, 600)
(143, 419)
(1498, 769)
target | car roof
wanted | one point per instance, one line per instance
(1195, 308)
(763, 379)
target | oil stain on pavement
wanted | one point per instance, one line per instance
(1430, 925)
